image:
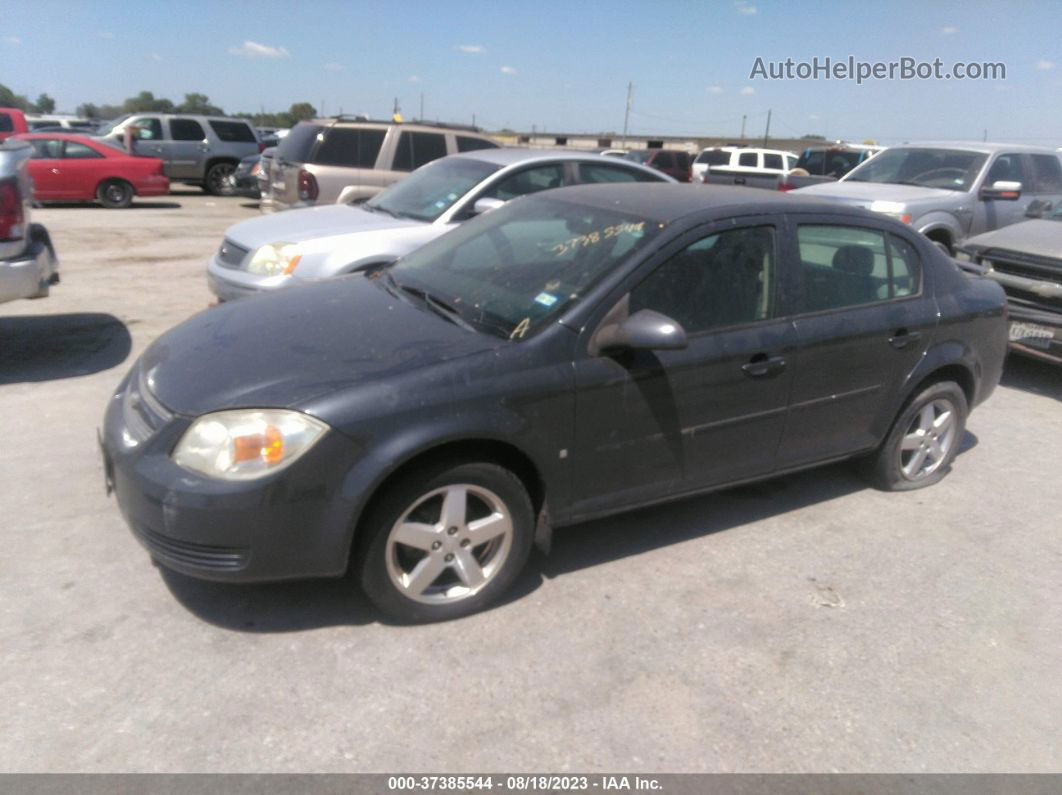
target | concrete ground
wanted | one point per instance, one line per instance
(805, 624)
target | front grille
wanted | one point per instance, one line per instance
(201, 556)
(1018, 264)
(231, 255)
(141, 411)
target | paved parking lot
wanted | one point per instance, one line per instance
(805, 624)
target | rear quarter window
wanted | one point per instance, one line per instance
(296, 146)
(233, 131)
(466, 144)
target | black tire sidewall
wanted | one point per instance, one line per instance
(886, 463)
(209, 183)
(375, 528)
(101, 194)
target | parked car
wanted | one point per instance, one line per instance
(676, 163)
(573, 354)
(341, 160)
(65, 123)
(28, 265)
(828, 163)
(736, 165)
(246, 177)
(199, 150)
(1026, 259)
(78, 168)
(277, 251)
(951, 191)
(12, 122)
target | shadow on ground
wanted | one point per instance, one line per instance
(297, 606)
(136, 205)
(50, 347)
(1033, 375)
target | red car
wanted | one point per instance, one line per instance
(68, 167)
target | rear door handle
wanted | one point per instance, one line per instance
(904, 339)
(739, 180)
(761, 365)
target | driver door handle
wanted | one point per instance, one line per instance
(761, 365)
(904, 339)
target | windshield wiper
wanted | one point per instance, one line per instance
(441, 308)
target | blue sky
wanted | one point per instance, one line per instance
(554, 64)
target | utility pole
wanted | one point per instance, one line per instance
(421, 116)
(473, 119)
(627, 113)
(985, 138)
(743, 117)
(322, 108)
(767, 131)
(394, 112)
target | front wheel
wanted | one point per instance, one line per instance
(446, 542)
(115, 194)
(923, 441)
(221, 179)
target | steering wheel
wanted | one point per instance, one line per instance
(942, 174)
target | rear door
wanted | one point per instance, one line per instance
(409, 150)
(186, 149)
(83, 167)
(345, 157)
(863, 322)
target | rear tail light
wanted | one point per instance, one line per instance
(12, 216)
(307, 186)
(785, 186)
(261, 148)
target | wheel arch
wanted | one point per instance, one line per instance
(114, 178)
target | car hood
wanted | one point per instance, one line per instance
(296, 226)
(862, 194)
(1038, 238)
(285, 348)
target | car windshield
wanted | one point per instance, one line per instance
(108, 127)
(509, 271)
(639, 157)
(432, 189)
(952, 169)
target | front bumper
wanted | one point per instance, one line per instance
(290, 525)
(1023, 321)
(229, 283)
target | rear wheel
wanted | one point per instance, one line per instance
(446, 542)
(221, 179)
(115, 194)
(923, 441)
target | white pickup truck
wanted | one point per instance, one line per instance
(28, 265)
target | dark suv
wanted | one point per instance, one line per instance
(673, 162)
(201, 150)
(343, 160)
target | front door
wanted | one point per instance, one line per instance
(46, 169)
(654, 424)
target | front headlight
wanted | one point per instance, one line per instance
(891, 209)
(275, 259)
(246, 443)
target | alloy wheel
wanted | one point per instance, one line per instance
(929, 438)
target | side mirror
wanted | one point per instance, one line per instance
(643, 331)
(1003, 190)
(485, 205)
(1038, 209)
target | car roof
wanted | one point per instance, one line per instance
(59, 136)
(669, 202)
(977, 146)
(507, 156)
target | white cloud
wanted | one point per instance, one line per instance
(744, 8)
(156, 57)
(813, 116)
(333, 67)
(714, 89)
(949, 30)
(252, 49)
(414, 79)
(508, 70)
(106, 34)
(1045, 65)
(748, 91)
(13, 40)
(471, 49)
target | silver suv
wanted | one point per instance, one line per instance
(201, 150)
(28, 266)
(343, 160)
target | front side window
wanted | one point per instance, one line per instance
(431, 191)
(529, 180)
(46, 149)
(724, 279)
(416, 149)
(747, 159)
(148, 129)
(714, 157)
(772, 161)
(1007, 168)
(844, 266)
(664, 160)
(76, 151)
(6, 124)
(509, 271)
(186, 130)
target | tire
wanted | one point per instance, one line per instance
(219, 179)
(417, 568)
(115, 194)
(923, 441)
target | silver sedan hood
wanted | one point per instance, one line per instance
(312, 223)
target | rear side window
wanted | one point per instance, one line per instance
(351, 147)
(37, 124)
(295, 147)
(772, 161)
(6, 125)
(47, 149)
(846, 266)
(748, 159)
(186, 130)
(417, 148)
(76, 151)
(595, 172)
(466, 144)
(233, 131)
(1047, 174)
(663, 160)
(530, 180)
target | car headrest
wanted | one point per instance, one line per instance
(854, 259)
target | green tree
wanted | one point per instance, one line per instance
(45, 104)
(199, 103)
(145, 102)
(301, 111)
(88, 111)
(9, 99)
